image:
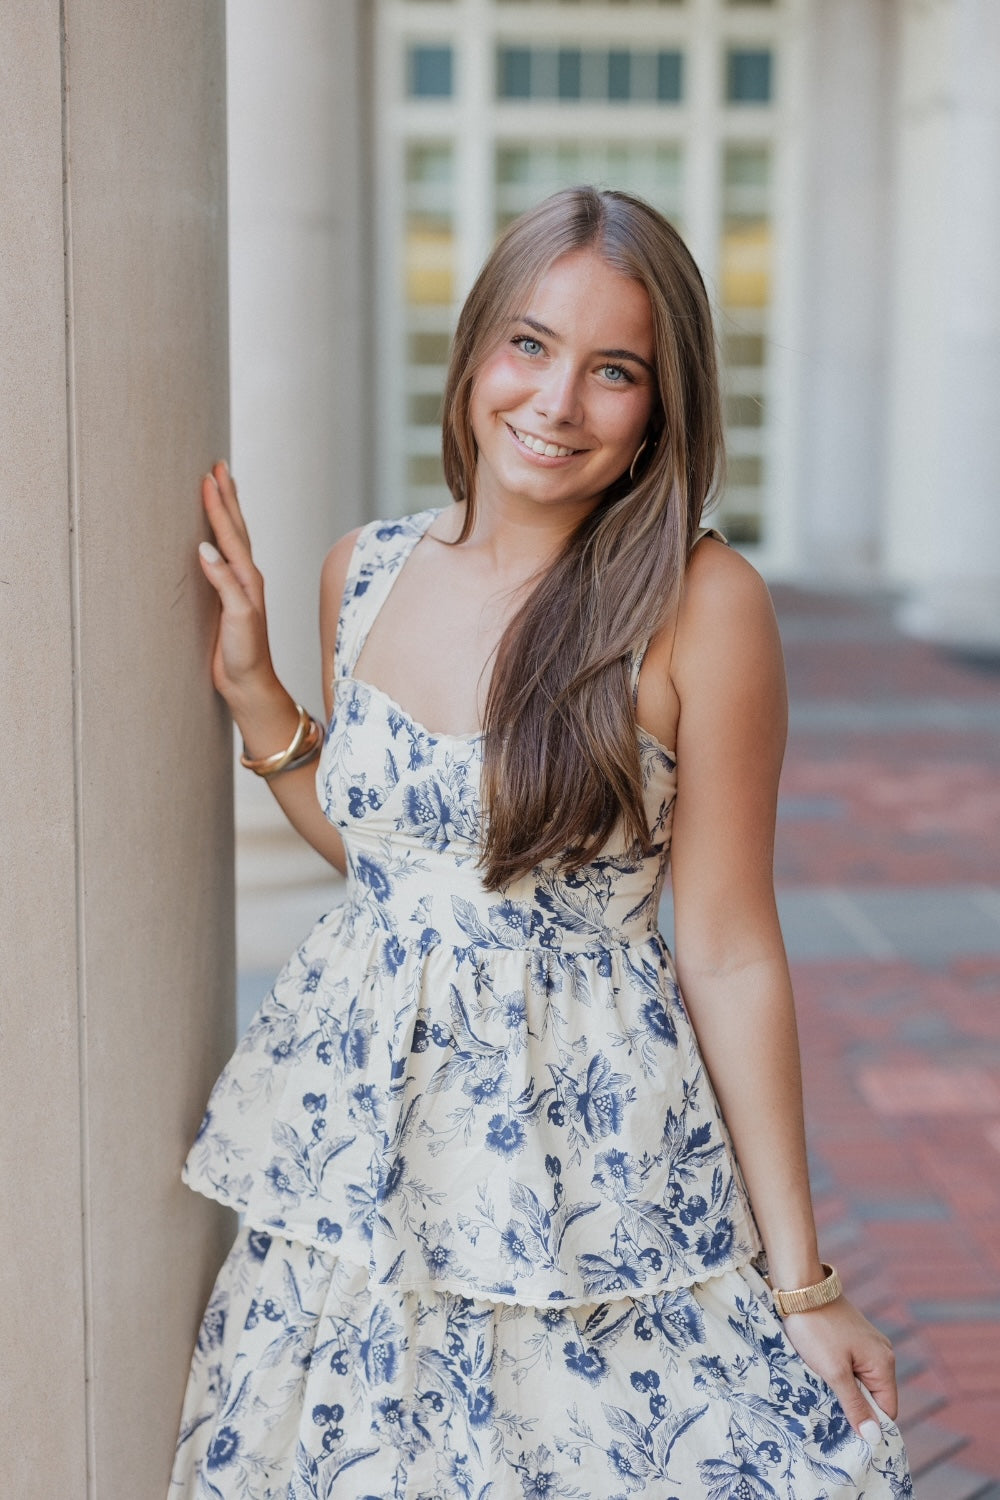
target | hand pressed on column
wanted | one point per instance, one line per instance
(242, 671)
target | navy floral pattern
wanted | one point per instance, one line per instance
(477, 1155)
(309, 1381)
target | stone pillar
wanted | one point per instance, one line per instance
(844, 283)
(116, 909)
(943, 536)
(302, 429)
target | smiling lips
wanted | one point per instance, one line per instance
(537, 445)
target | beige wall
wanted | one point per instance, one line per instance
(116, 895)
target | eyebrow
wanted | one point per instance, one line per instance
(604, 353)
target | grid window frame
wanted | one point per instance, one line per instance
(700, 34)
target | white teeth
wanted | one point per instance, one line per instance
(547, 450)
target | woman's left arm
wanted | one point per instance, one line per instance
(728, 674)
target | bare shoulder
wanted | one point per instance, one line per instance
(721, 583)
(725, 615)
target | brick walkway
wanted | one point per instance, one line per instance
(888, 868)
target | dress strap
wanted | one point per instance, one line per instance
(380, 551)
(638, 657)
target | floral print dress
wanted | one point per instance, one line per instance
(494, 1239)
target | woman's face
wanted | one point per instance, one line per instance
(560, 407)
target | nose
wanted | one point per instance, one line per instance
(558, 397)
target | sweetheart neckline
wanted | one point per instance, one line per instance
(474, 737)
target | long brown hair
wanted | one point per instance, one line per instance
(561, 760)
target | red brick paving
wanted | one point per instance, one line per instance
(902, 1060)
(909, 818)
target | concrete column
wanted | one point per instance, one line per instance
(302, 430)
(116, 907)
(844, 283)
(943, 536)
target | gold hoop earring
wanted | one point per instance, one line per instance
(631, 468)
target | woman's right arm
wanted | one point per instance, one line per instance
(242, 670)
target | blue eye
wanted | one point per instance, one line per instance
(616, 374)
(527, 344)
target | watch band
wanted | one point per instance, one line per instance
(806, 1298)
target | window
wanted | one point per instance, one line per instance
(429, 72)
(508, 101)
(429, 277)
(745, 271)
(525, 172)
(610, 76)
(748, 76)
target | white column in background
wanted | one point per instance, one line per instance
(302, 424)
(842, 314)
(943, 535)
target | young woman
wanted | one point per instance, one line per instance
(505, 1194)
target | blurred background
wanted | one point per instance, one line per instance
(835, 167)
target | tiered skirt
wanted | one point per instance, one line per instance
(308, 1381)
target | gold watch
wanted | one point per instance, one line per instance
(806, 1298)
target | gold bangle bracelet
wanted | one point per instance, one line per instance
(806, 1298)
(311, 747)
(269, 765)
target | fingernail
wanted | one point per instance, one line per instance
(209, 553)
(871, 1432)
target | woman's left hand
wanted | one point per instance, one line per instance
(839, 1344)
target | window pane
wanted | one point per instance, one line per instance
(429, 247)
(619, 75)
(744, 411)
(748, 75)
(429, 72)
(424, 410)
(425, 469)
(670, 77)
(743, 528)
(514, 73)
(569, 73)
(746, 349)
(428, 348)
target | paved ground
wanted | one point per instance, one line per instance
(888, 868)
(889, 882)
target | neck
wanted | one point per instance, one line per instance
(516, 537)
